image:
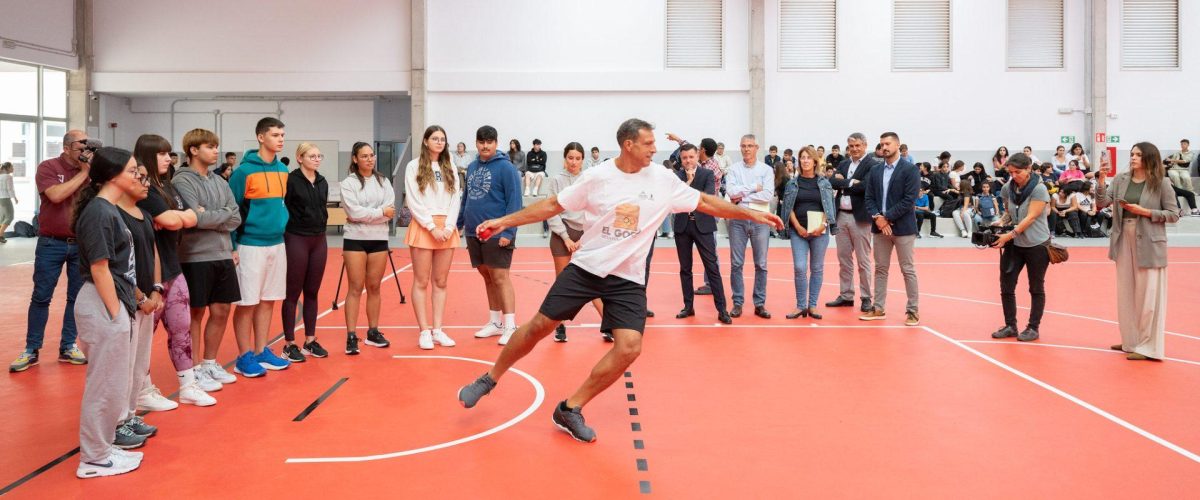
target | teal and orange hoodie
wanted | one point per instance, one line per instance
(259, 187)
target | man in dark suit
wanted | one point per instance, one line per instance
(892, 191)
(698, 228)
(853, 223)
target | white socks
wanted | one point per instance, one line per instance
(210, 362)
(186, 377)
(494, 317)
(510, 321)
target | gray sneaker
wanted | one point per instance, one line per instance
(140, 427)
(1006, 332)
(1028, 335)
(127, 440)
(570, 420)
(470, 394)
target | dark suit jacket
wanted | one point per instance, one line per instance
(705, 182)
(902, 194)
(858, 190)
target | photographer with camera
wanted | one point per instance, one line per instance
(1022, 247)
(58, 180)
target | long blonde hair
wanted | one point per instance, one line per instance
(425, 167)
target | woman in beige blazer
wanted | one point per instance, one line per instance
(1145, 203)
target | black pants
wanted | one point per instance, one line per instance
(1189, 196)
(922, 215)
(706, 243)
(1071, 221)
(1036, 259)
(306, 256)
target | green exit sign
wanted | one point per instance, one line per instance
(1066, 139)
(1114, 139)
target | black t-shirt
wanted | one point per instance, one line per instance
(167, 240)
(143, 248)
(106, 237)
(808, 198)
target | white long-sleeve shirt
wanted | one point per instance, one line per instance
(435, 200)
(364, 204)
(742, 181)
(574, 220)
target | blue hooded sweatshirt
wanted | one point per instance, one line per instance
(493, 190)
(259, 187)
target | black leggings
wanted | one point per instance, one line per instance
(1012, 259)
(1189, 196)
(305, 269)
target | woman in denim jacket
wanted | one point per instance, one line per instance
(808, 192)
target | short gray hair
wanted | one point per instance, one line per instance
(751, 137)
(857, 136)
(629, 130)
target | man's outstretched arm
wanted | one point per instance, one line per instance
(536, 212)
(718, 207)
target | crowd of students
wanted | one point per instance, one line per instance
(179, 246)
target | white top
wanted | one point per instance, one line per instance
(435, 200)
(622, 213)
(364, 203)
(574, 220)
(1085, 201)
(745, 181)
(6, 186)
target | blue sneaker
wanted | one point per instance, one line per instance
(270, 361)
(247, 365)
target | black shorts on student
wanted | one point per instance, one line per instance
(369, 246)
(490, 253)
(211, 282)
(624, 301)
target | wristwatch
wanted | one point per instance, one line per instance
(159, 288)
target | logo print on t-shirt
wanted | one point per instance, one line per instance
(479, 184)
(625, 222)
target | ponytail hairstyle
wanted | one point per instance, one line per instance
(107, 163)
(425, 167)
(146, 152)
(354, 164)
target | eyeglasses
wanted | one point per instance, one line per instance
(315, 157)
(437, 139)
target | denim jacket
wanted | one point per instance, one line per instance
(827, 203)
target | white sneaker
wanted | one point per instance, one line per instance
(151, 399)
(193, 395)
(442, 339)
(136, 455)
(489, 330)
(114, 465)
(205, 381)
(508, 333)
(219, 374)
(425, 341)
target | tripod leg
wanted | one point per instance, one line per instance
(397, 278)
(337, 293)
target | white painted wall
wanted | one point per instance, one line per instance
(1159, 106)
(269, 47)
(49, 23)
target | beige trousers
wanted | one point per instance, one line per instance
(1141, 298)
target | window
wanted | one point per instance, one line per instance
(18, 141)
(808, 34)
(33, 115)
(54, 93)
(921, 35)
(1035, 34)
(20, 84)
(1150, 34)
(695, 33)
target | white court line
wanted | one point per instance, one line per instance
(718, 325)
(300, 325)
(1064, 346)
(537, 401)
(1061, 393)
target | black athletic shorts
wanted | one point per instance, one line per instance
(490, 253)
(211, 282)
(624, 301)
(369, 246)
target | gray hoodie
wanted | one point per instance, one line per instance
(209, 240)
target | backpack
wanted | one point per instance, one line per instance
(24, 229)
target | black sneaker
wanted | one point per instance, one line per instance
(1006, 332)
(375, 338)
(570, 420)
(351, 344)
(560, 333)
(314, 349)
(607, 337)
(1028, 335)
(140, 427)
(471, 393)
(292, 353)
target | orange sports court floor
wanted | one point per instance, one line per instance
(760, 409)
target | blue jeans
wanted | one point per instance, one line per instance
(48, 261)
(808, 263)
(741, 231)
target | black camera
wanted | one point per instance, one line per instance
(988, 235)
(89, 148)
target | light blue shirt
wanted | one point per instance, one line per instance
(742, 181)
(888, 170)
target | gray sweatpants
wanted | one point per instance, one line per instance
(143, 338)
(109, 346)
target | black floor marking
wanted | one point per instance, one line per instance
(69, 454)
(631, 397)
(304, 414)
(633, 412)
(519, 275)
(637, 427)
(629, 385)
(643, 465)
(638, 444)
(644, 486)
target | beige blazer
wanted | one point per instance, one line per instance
(1151, 231)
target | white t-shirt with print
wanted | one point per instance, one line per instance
(622, 213)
